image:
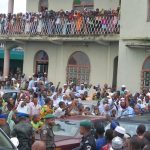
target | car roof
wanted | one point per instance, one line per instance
(145, 118)
(9, 90)
(87, 117)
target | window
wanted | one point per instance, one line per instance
(78, 68)
(146, 74)
(41, 62)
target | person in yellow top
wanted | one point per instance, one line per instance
(47, 108)
(36, 123)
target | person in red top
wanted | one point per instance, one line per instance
(109, 137)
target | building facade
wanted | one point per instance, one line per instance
(57, 5)
(115, 59)
(134, 46)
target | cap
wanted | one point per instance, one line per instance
(117, 143)
(114, 124)
(13, 79)
(77, 95)
(120, 130)
(123, 86)
(86, 123)
(49, 116)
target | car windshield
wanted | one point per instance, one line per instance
(66, 128)
(5, 143)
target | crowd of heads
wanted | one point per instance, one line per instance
(71, 97)
(61, 22)
(36, 97)
(119, 139)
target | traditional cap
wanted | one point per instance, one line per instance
(49, 116)
(117, 143)
(120, 130)
(13, 79)
(86, 123)
(148, 94)
(123, 86)
(77, 95)
(114, 124)
(29, 77)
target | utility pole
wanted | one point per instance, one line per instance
(10, 6)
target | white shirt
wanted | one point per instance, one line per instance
(34, 109)
(25, 109)
(59, 112)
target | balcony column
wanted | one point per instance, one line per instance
(6, 62)
(10, 6)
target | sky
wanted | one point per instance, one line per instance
(19, 6)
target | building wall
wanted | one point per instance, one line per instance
(57, 5)
(101, 59)
(134, 25)
(134, 19)
(32, 5)
(130, 66)
(106, 4)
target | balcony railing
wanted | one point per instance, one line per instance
(99, 25)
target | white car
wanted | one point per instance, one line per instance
(9, 93)
(6, 143)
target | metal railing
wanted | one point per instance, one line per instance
(98, 25)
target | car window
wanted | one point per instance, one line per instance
(13, 95)
(4, 142)
(66, 128)
(130, 127)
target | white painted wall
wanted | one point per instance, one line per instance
(130, 66)
(106, 4)
(32, 5)
(134, 19)
(101, 59)
(58, 5)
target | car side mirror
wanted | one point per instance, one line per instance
(15, 141)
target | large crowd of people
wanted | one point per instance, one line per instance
(73, 22)
(37, 97)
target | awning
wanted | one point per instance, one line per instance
(14, 54)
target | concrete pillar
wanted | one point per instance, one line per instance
(6, 62)
(10, 6)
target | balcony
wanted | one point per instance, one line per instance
(104, 27)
